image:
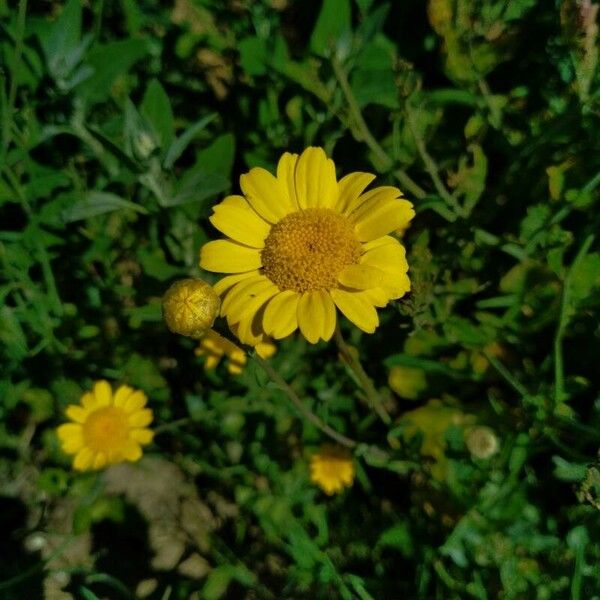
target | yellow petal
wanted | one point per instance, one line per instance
(286, 172)
(362, 277)
(88, 400)
(223, 256)
(135, 401)
(77, 413)
(235, 218)
(266, 349)
(378, 296)
(99, 461)
(266, 194)
(69, 430)
(234, 368)
(316, 316)
(350, 188)
(384, 192)
(142, 436)
(249, 330)
(281, 318)
(225, 284)
(83, 460)
(377, 218)
(141, 418)
(123, 392)
(256, 302)
(102, 393)
(316, 185)
(132, 451)
(389, 257)
(211, 362)
(71, 437)
(356, 308)
(240, 294)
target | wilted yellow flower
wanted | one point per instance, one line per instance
(214, 347)
(106, 428)
(407, 382)
(432, 420)
(332, 469)
(482, 442)
(190, 307)
(301, 244)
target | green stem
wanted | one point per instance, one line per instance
(507, 375)
(431, 165)
(365, 381)
(563, 321)
(7, 115)
(300, 406)
(362, 131)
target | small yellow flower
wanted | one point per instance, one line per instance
(214, 347)
(301, 244)
(332, 469)
(190, 307)
(106, 428)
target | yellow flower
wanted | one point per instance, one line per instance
(190, 307)
(301, 244)
(214, 347)
(106, 428)
(332, 469)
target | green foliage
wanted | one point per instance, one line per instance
(122, 123)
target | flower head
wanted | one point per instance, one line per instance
(302, 243)
(190, 307)
(482, 442)
(332, 469)
(106, 428)
(214, 347)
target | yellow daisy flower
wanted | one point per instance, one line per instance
(301, 244)
(332, 469)
(214, 347)
(106, 428)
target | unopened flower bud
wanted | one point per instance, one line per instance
(190, 307)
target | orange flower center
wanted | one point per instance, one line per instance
(308, 249)
(106, 429)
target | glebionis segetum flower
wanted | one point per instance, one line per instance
(106, 428)
(213, 347)
(301, 244)
(332, 469)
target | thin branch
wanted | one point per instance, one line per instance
(563, 321)
(363, 132)
(365, 381)
(430, 164)
(300, 406)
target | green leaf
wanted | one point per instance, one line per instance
(64, 34)
(373, 79)
(109, 61)
(178, 147)
(253, 55)
(397, 537)
(333, 21)
(218, 156)
(156, 109)
(97, 203)
(197, 185)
